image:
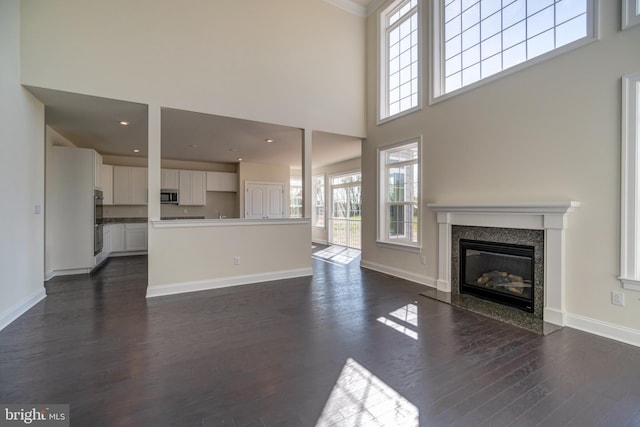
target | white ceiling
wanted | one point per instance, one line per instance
(93, 122)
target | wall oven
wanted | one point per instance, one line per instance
(98, 222)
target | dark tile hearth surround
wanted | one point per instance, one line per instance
(531, 321)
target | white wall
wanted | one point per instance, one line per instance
(289, 62)
(21, 177)
(206, 255)
(550, 132)
(318, 234)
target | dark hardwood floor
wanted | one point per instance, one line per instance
(348, 347)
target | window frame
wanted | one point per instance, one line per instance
(383, 115)
(383, 224)
(436, 52)
(630, 184)
(292, 196)
(630, 14)
(314, 213)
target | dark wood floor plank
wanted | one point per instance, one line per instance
(326, 350)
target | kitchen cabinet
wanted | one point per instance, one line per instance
(97, 171)
(264, 200)
(129, 185)
(193, 188)
(135, 237)
(106, 179)
(169, 179)
(222, 181)
(130, 237)
(69, 222)
(117, 237)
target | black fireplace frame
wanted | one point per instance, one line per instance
(525, 304)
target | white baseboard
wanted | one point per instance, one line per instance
(48, 275)
(557, 317)
(320, 242)
(604, 329)
(392, 271)
(70, 272)
(132, 253)
(21, 307)
(203, 285)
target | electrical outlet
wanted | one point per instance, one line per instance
(236, 260)
(423, 259)
(617, 298)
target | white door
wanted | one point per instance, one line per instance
(264, 200)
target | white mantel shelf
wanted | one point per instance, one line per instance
(548, 216)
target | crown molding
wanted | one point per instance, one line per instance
(356, 8)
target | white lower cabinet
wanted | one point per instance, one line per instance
(131, 237)
(135, 237)
(117, 237)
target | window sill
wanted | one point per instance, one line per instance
(630, 284)
(384, 120)
(399, 246)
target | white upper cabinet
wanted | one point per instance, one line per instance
(192, 188)
(170, 179)
(129, 185)
(222, 181)
(106, 179)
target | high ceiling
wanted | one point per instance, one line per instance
(93, 122)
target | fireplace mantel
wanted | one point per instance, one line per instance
(548, 216)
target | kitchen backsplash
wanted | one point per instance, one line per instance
(218, 203)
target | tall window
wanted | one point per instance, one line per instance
(318, 219)
(295, 197)
(399, 209)
(477, 39)
(630, 198)
(399, 58)
(630, 13)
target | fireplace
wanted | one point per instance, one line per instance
(499, 272)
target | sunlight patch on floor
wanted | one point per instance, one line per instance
(359, 398)
(408, 317)
(337, 254)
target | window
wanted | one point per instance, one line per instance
(630, 13)
(399, 208)
(318, 201)
(478, 39)
(630, 198)
(295, 197)
(399, 58)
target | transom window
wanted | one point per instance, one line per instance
(477, 39)
(399, 209)
(399, 65)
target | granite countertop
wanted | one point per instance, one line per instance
(125, 220)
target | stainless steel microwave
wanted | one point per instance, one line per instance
(169, 196)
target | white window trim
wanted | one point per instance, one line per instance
(630, 197)
(630, 14)
(437, 64)
(382, 62)
(381, 214)
(313, 202)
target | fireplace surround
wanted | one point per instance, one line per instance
(548, 219)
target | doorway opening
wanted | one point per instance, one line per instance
(345, 223)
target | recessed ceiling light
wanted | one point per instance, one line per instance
(124, 123)
(239, 159)
(268, 140)
(135, 150)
